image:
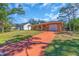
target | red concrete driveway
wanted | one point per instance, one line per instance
(37, 49)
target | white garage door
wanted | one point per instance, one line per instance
(53, 27)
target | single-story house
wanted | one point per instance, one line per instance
(24, 26)
(49, 26)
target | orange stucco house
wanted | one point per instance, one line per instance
(49, 26)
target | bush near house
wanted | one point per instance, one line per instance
(63, 48)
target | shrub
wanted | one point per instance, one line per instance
(63, 48)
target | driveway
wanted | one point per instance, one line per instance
(42, 41)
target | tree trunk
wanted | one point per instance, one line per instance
(2, 29)
(2, 26)
(69, 25)
(73, 19)
(74, 27)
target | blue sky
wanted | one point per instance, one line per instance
(42, 11)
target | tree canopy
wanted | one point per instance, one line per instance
(69, 14)
(6, 11)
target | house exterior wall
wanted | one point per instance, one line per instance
(50, 26)
(27, 27)
(53, 27)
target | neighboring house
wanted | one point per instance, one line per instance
(13, 28)
(24, 26)
(27, 26)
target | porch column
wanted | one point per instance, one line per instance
(59, 28)
(41, 27)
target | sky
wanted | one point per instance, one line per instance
(42, 11)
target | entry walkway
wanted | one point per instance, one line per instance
(37, 49)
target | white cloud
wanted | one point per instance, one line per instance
(52, 16)
(63, 4)
(45, 5)
(16, 5)
(55, 8)
(49, 15)
(23, 20)
(33, 4)
(45, 19)
(36, 19)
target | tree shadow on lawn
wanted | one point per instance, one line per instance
(10, 49)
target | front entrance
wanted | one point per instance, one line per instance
(53, 27)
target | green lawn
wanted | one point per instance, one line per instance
(67, 36)
(64, 44)
(9, 35)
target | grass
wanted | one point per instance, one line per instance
(9, 35)
(64, 44)
(63, 48)
(67, 36)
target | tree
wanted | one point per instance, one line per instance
(65, 14)
(40, 21)
(6, 11)
(36, 21)
(75, 23)
(32, 21)
(68, 12)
